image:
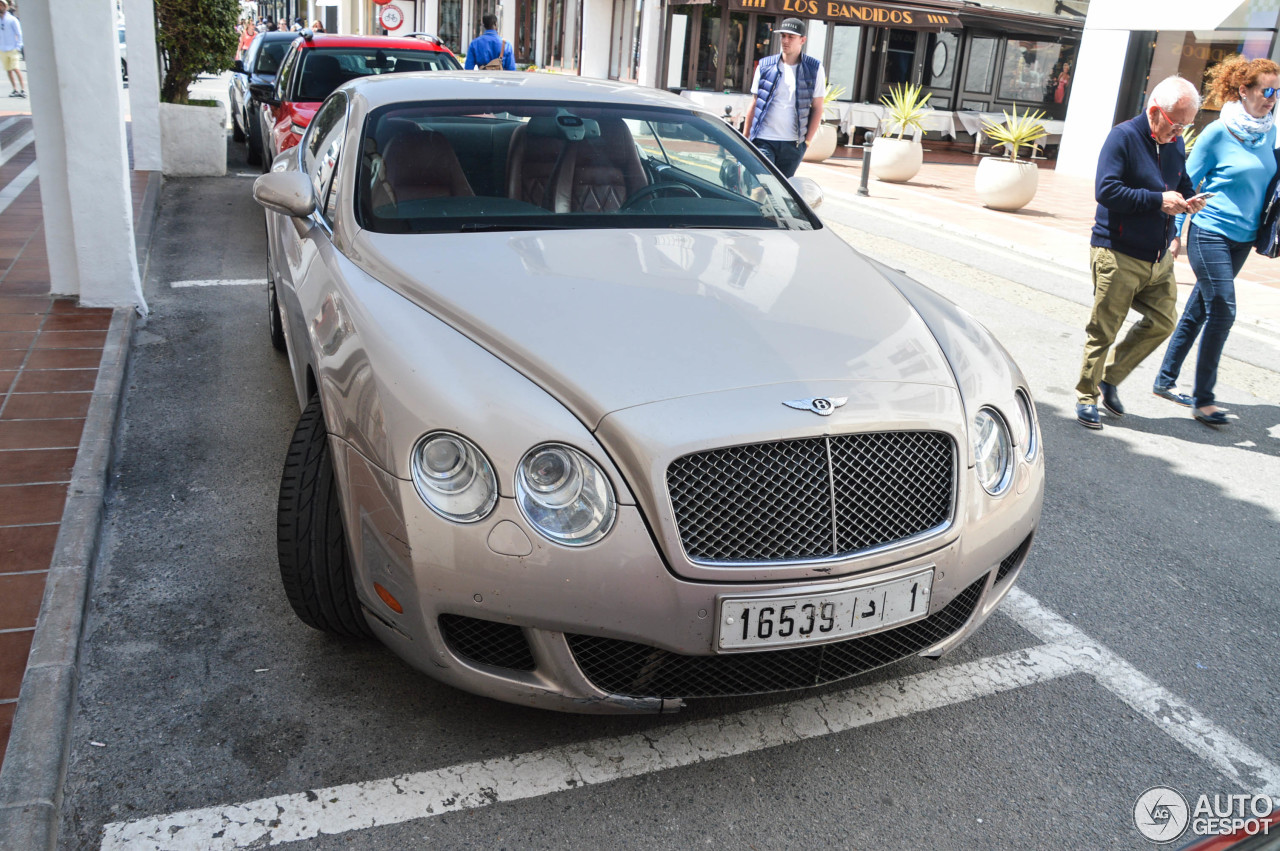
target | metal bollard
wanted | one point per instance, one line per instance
(867, 139)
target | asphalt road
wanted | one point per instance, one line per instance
(1149, 660)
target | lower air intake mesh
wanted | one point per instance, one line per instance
(637, 670)
(502, 645)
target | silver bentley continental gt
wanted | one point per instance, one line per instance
(598, 416)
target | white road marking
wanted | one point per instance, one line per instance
(15, 187)
(220, 282)
(358, 806)
(9, 151)
(1233, 758)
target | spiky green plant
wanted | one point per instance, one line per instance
(907, 107)
(1017, 131)
(833, 93)
(1189, 138)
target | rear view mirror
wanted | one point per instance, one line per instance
(238, 67)
(264, 92)
(286, 192)
(809, 190)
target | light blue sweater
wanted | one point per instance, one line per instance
(1238, 174)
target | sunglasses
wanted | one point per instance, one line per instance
(1177, 128)
(1269, 91)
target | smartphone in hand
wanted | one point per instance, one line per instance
(1203, 196)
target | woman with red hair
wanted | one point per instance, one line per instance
(1234, 158)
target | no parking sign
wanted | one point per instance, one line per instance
(391, 17)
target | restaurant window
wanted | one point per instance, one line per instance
(480, 8)
(451, 25)
(1028, 75)
(900, 55)
(981, 69)
(526, 18)
(561, 34)
(708, 48)
(624, 45)
(1191, 55)
(735, 53)
(846, 46)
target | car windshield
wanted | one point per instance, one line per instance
(269, 57)
(431, 168)
(324, 69)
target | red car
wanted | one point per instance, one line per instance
(316, 64)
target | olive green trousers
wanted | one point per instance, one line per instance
(1121, 282)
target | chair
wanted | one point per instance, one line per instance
(531, 159)
(419, 164)
(598, 174)
(320, 76)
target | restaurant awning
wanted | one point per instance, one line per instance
(855, 12)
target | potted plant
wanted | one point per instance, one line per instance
(824, 143)
(898, 160)
(1006, 183)
(196, 37)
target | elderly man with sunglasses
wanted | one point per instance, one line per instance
(1141, 185)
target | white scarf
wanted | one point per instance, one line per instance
(1249, 130)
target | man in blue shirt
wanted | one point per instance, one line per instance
(488, 51)
(1141, 185)
(11, 50)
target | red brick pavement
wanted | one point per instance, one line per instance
(50, 349)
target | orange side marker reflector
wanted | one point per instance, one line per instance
(392, 602)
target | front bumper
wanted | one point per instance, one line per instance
(495, 609)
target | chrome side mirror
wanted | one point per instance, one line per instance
(809, 190)
(286, 192)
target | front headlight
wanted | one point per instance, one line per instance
(992, 451)
(453, 477)
(564, 495)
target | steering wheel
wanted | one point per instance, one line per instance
(654, 188)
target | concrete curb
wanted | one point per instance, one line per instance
(35, 763)
(36, 760)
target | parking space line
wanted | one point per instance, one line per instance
(219, 282)
(359, 806)
(1253, 772)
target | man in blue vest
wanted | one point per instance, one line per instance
(787, 110)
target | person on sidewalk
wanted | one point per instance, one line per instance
(1235, 159)
(787, 110)
(11, 50)
(1141, 185)
(489, 51)
(247, 33)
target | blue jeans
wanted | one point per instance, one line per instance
(785, 155)
(1216, 261)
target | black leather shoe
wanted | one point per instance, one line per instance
(1111, 398)
(1217, 418)
(1176, 398)
(1087, 416)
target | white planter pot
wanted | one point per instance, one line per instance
(1004, 185)
(824, 144)
(193, 140)
(896, 160)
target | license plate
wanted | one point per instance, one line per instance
(753, 622)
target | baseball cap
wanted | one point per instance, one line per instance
(791, 25)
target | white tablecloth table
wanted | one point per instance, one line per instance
(874, 115)
(972, 120)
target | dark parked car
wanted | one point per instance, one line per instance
(261, 63)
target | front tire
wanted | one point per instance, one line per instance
(237, 134)
(315, 566)
(274, 323)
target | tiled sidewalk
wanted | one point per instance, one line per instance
(50, 350)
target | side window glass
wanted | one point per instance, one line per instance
(646, 140)
(322, 148)
(692, 151)
(286, 74)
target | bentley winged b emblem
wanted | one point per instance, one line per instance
(822, 406)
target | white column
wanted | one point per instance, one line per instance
(650, 44)
(597, 27)
(76, 101)
(1094, 92)
(144, 83)
(429, 15)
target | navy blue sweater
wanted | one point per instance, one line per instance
(1133, 174)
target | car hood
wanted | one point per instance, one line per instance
(613, 319)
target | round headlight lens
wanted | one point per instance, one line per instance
(565, 495)
(453, 477)
(1028, 412)
(992, 451)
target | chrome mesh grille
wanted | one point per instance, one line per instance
(637, 670)
(1011, 560)
(812, 498)
(502, 645)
